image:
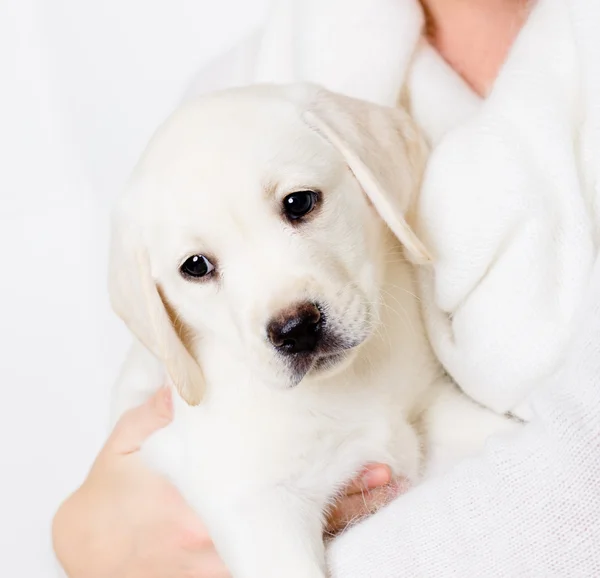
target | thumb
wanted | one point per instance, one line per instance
(137, 424)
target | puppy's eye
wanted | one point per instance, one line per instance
(196, 266)
(298, 204)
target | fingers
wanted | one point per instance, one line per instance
(136, 425)
(362, 496)
(372, 476)
(353, 507)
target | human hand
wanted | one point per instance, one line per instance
(127, 521)
(372, 489)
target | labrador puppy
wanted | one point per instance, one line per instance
(263, 259)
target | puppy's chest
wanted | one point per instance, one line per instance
(309, 441)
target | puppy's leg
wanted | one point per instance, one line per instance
(269, 536)
(455, 427)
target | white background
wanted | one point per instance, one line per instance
(83, 83)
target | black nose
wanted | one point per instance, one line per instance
(297, 329)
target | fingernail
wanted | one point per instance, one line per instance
(375, 477)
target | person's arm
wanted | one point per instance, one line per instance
(235, 67)
(529, 506)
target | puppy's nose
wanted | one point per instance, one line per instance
(297, 329)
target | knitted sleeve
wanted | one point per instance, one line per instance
(529, 506)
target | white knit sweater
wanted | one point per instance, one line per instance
(511, 210)
(528, 507)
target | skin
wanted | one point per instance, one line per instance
(475, 36)
(128, 522)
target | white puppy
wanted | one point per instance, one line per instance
(259, 257)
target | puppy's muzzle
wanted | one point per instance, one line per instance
(297, 329)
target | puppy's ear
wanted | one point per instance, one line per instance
(137, 299)
(385, 151)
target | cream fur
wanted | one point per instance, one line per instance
(260, 459)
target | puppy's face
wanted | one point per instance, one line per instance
(253, 223)
(260, 238)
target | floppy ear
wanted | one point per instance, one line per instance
(385, 151)
(137, 299)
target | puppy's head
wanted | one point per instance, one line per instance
(253, 221)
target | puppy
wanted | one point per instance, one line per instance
(260, 255)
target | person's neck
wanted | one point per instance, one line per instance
(475, 36)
